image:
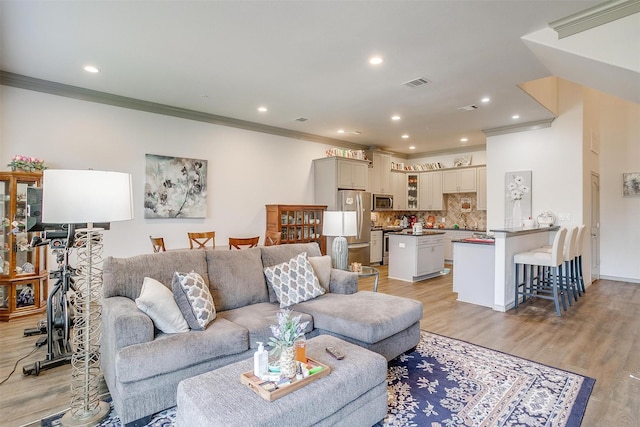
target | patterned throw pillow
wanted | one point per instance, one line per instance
(194, 299)
(294, 281)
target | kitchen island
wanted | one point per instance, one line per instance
(415, 257)
(474, 270)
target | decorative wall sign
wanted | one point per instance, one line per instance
(631, 184)
(517, 206)
(175, 187)
(465, 204)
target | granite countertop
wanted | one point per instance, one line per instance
(475, 241)
(389, 229)
(518, 231)
(408, 232)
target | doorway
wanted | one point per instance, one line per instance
(595, 226)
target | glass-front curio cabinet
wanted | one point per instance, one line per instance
(23, 269)
(297, 223)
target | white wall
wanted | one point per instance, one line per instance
(619, 216)
(246, 169)
(554, 155)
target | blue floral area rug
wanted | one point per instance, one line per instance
(447, 382)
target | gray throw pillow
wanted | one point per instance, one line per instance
(194, 299)
(294, 281)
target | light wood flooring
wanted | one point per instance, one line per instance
(599, 337)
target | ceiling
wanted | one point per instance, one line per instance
(300, 59)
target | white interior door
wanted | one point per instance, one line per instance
(595, 227)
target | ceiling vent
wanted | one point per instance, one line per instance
(420, 81)
(468, 107)
(301, 119)
(355, 132)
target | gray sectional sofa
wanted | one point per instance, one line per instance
(142, 366)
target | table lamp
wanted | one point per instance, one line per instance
(340, 224)
(78, 197)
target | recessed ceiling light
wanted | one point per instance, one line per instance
(485, 99)
(262, 109)
(395, 117)
(340, 130)
(91, 69)
(375, 60)
(464, 139)
(515, 116)
(412, 147)
(405, 136)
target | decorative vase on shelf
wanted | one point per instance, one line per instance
(517, 214)
(288, 362)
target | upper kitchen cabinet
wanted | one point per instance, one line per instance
(459, 180)
(381, 172)
(430, 197)
(399, 190)
(481, 197)
(341, 173)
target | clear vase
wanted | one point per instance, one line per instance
(516, 217)
(288, 361)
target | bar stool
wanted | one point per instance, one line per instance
(537, 287)
(569, 283)
(582, 231)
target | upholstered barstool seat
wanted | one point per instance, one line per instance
(532, 284)
(582, 231)
(570, 280)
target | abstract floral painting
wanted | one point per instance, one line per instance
(517, 205)
(631, 184)
(175, 187)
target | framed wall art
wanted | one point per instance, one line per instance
(175, 187)
(631, 184)
(517, 198)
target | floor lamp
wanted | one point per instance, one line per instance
(79, 197)
(339, 224)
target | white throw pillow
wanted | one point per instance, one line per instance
(156, 300)
(294, 281)
(322, 267)
(194, 300)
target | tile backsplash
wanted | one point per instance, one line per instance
(453, 214)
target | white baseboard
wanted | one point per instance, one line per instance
(621, 279)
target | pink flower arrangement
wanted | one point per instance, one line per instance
(26, 163)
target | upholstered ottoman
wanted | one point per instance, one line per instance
(353, 394)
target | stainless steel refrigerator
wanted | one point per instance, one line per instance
(360, 202)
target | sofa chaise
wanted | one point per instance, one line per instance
(143, 366)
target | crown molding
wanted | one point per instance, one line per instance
(75, 92)
(594, 16)
(522, 127)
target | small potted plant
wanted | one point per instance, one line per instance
(285, 334)
(26, 163)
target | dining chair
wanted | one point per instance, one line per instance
(158, 244)
(272, 238)
(202, 240)
(242, 242)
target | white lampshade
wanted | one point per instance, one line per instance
(338, 223)
(79, 196)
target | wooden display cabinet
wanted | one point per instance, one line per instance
(297, 223)
(23, 269)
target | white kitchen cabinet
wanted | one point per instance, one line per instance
(412, 191)
(399, 190)
(481, 191)
(415, 257)
(375, 252)
(381, 173)
(459, 181)
(430, 194)
(331, 173)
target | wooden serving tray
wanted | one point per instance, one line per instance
(254, 382)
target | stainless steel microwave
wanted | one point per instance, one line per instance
(381, 202)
